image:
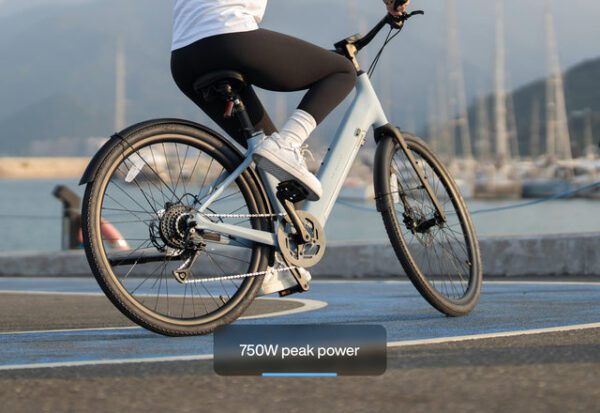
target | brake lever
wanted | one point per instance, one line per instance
(398, 21)
(415, 13)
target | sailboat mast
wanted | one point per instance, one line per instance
(588, 135)
(534, 149)
(482, 145)
(557, 135)
(501, 127)
(445, 130)
(120, 75)
(513, 130)
(457, 93)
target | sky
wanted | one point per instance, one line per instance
(576, 26)
(423, 42)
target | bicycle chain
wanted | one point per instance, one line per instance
(248, 275)
(244, 215)
(239, 276)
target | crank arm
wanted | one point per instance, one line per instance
(302, 234)
(302, 281)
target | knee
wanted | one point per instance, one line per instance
(346, 71)
(349, 70)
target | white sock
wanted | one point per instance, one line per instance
(299, 127)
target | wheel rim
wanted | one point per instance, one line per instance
(145, 196)
(441, 252)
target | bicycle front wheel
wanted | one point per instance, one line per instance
(137, 238)
(441, 258)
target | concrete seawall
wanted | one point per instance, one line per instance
(42, 168)
(544, 255)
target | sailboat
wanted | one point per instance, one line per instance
(560, 174)
(497, 179)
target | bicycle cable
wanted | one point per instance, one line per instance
(387, 40)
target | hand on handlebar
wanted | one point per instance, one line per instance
(396, 7)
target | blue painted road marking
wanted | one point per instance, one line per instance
(395, 305)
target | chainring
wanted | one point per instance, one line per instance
(301, 255)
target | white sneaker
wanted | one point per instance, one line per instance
(285, 161)
(276, 281)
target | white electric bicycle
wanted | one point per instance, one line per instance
(199, 226)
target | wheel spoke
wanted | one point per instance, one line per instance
(147, 202)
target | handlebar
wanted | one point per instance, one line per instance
(350, 46)
(396, 22)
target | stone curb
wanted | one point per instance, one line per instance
(541, 255)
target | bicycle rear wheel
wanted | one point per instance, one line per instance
(134, 222)
(441, 259)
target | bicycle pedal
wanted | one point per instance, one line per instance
(303, 283)
(291, 191)
(293, 290)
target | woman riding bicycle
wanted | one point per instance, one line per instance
(211, 35)
(205, 236)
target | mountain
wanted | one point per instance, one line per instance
(582, 94)
(58, 59)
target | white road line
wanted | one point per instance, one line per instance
(514, 333)
(501, 282)
(69, 330)
(105, 362)
(41, 292)
(394, 344)
(307, 305)
(336, 281)
(486, 281)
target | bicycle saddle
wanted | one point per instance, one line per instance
(218, 79)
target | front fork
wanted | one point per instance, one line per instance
(439, 215)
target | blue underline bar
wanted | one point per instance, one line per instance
(299, 374)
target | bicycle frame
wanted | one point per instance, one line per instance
(364, 112)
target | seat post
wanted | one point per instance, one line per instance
(226, 85)
(242, 116)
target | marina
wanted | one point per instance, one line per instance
(36, 228)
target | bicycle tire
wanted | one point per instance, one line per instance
(428, 278)
(117, 151)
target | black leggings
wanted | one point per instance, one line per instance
(271, 61)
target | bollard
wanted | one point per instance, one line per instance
(71, 219)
